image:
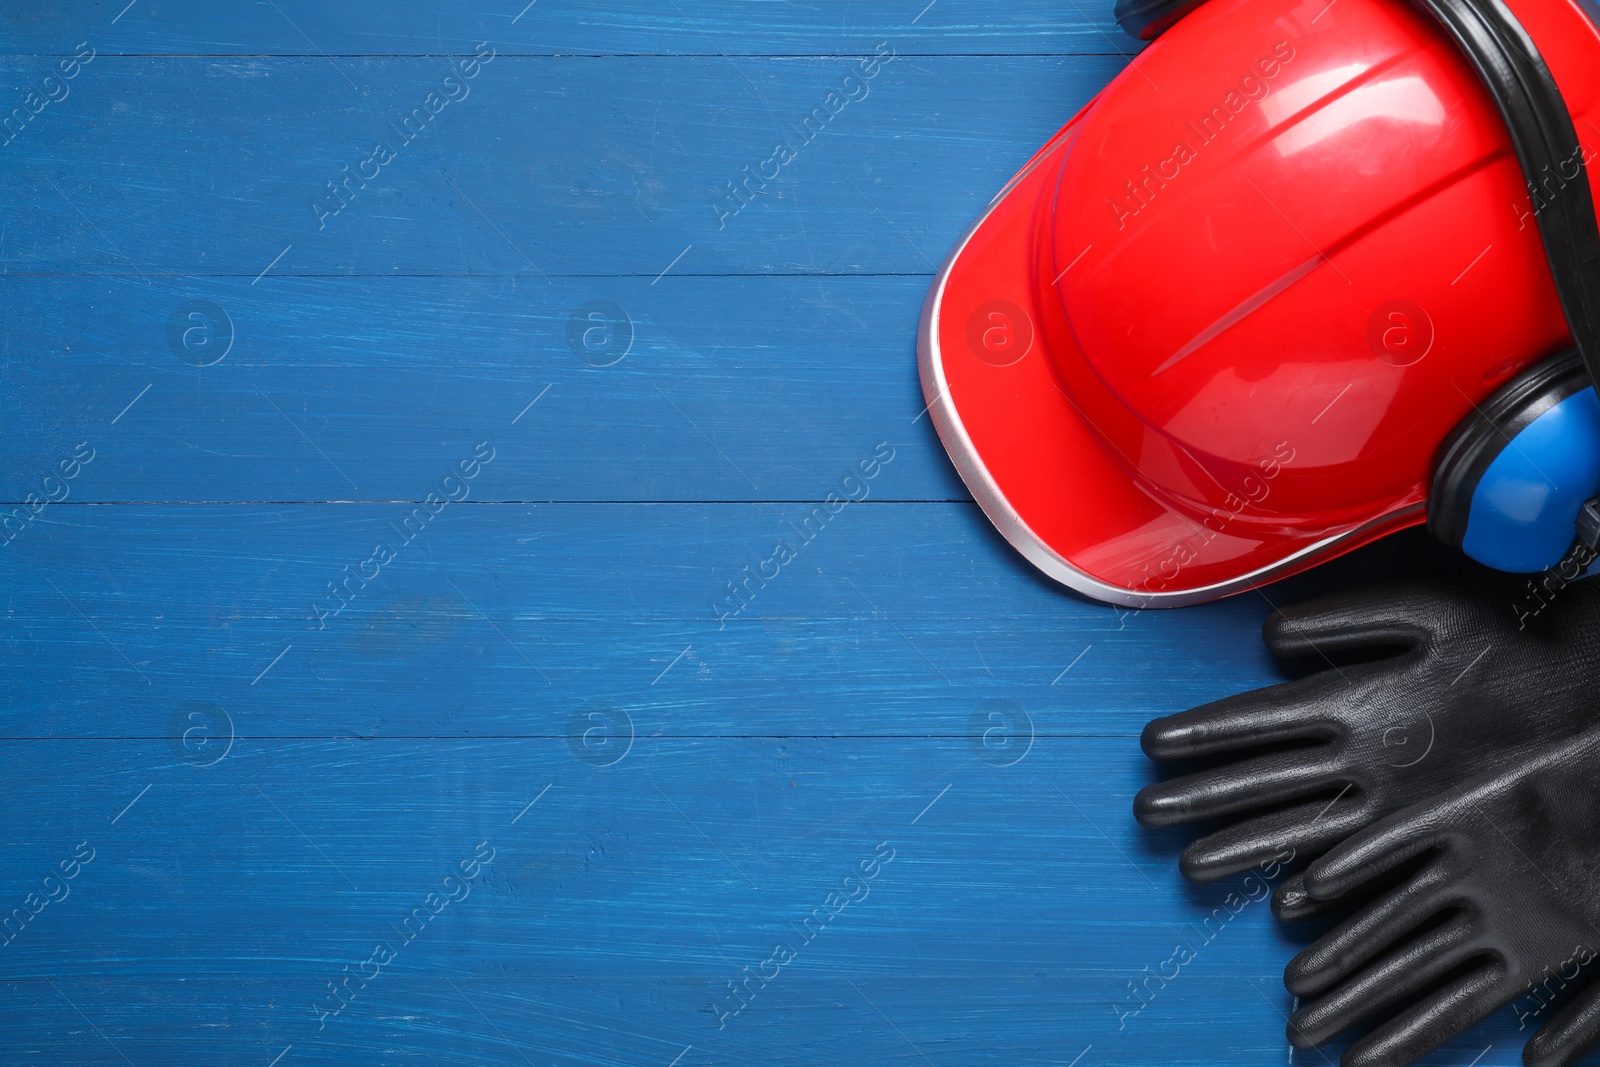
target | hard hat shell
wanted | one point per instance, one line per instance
(1216, 330)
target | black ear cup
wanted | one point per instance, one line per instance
(1490, 429)
(1146, 20)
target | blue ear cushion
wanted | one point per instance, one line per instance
(1480, 437)
(1524, 510)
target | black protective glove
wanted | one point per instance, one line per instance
(1298, 767)
(1499, 893)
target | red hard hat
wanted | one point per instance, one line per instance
(1217, 329)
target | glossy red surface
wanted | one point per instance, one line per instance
(1218, 329)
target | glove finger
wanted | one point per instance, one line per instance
(1381, 848)
(1291, 903)
(1293, 711)
(1273, 839)
(1352, 621)
(1435, 1019)
(1334, 956)
(1570, 1033)
(1385, 983)
(1243, 786)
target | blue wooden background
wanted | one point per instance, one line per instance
(219, 401)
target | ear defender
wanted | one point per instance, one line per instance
(1513, 476)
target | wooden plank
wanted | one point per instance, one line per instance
(543, 167)
(709, 28)
(563, 1020)
(899, 619)
(372, 389)
(1016, 904)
